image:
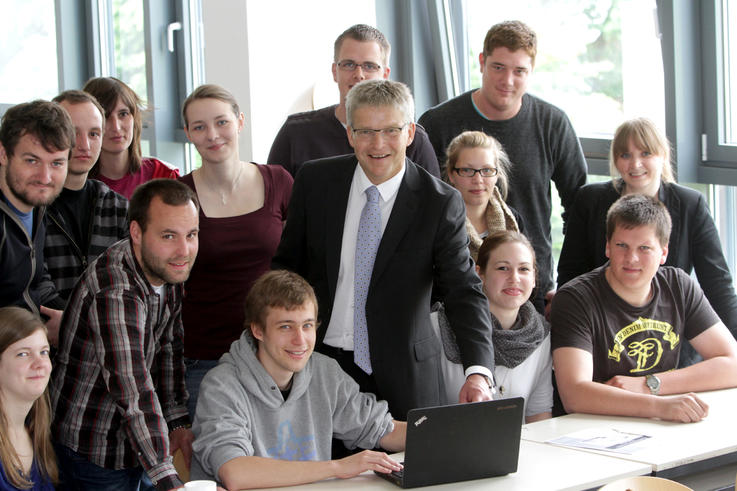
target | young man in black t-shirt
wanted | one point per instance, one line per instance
(88, 216)
(616, 331)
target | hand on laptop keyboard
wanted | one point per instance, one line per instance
(364, 461)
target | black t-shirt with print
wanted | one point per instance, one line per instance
(627, 340)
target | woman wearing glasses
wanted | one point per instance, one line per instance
(242, 210)
(477, 167)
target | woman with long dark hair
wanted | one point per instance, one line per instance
(121, 165)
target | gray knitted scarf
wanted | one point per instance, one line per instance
(513, 346)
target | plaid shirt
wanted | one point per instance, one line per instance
(118, 381)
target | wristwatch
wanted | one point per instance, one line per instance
(653, 383)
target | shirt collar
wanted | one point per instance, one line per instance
(387, 189)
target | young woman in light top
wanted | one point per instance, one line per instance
(521, 336)
(27, 459)
(121, 165)
(243, 207)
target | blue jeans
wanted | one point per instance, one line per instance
(196, 371)
(79, 474)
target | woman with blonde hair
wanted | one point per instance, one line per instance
(478, 166)
(639, 162)
(27, 459)
(121, 165)
(243, 207)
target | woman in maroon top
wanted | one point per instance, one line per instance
(242, 210)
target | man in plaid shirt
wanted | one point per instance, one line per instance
(118, 393)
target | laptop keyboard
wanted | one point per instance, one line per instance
(400, 473)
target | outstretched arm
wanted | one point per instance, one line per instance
(262, 472)
(580, 394)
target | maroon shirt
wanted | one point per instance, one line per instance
(233, 253)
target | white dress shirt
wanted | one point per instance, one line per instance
(339, 333)
(340, 330)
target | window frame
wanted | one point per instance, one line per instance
(84, 50)
(716, 153)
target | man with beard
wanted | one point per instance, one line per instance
(118, 392)
(35, 142)
(87, 217)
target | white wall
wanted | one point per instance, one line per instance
(272, 55)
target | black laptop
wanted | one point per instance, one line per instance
(460, 442)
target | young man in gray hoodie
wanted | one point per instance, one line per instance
(267, 413)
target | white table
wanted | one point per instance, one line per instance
(673, 445)
(541, 467)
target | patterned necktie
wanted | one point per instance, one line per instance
(367, 243)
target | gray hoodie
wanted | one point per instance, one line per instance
(241, 412)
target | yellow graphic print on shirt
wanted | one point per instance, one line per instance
(645, 352)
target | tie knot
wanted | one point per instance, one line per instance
(372, 194)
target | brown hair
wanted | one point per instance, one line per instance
(47, 121)
(645, 135)
(75, 97)
(16, 324)
(280, 288)
(638, 210)
(107, 90)
(209, 91)
(479, 139)
(513, 35)
(363, 33)
(493, 241)
(170, 191)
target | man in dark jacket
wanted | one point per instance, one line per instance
(87, 217)
(35, 143)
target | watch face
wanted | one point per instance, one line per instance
(652, 382)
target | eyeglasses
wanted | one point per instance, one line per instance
(390, 133)
(350, 66)
(468, 172)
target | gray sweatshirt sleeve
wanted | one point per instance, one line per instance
(221, 427)
(359, 420)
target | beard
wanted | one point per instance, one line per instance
(156, 268)
(22, 193)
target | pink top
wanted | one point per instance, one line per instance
(151, 168)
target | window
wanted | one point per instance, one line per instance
(148, 45)
(729, 77)
(27, 37)
(129, 53)
(719, 38)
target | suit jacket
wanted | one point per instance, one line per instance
(424, 244)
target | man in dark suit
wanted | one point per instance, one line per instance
(375, 301)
